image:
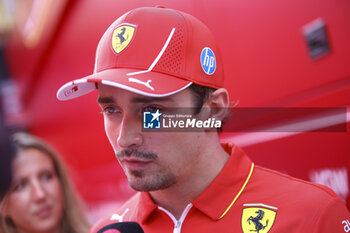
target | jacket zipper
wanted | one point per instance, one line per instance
(177, 223)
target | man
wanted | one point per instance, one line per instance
(155, 59)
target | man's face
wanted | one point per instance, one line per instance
(151, 160)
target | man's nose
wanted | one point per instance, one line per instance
(129, 134)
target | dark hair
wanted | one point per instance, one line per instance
(201, 94)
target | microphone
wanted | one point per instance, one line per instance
(121, 227)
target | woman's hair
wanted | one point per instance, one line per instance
(73, 219)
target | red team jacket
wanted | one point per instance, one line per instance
(244, 198)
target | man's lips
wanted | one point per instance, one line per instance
(135, 164)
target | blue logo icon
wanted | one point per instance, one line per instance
(208, 61)
(151, 120)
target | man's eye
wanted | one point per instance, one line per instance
(151, 109)
(109, 110)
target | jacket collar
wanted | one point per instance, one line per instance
(220, 195)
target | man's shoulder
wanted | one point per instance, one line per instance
(124, 213)
(292, 187)
(315, 207)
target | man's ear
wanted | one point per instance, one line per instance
(219, 103)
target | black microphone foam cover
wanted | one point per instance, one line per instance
(122, 227)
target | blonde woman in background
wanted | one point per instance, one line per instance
(41, 198)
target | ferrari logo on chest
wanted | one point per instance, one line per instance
(258, 218)
(122, 37)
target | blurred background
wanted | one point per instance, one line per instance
(275, 54)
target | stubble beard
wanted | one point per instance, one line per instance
(140, 180)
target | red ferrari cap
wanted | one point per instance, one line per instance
(152, 51)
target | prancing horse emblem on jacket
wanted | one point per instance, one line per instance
(258, 218)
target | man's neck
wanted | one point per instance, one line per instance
(176, 198)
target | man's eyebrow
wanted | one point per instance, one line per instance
(150, 99)
(105, 100)
(110, 100)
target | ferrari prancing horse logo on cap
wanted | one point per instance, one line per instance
(122, 37)
(258, 218)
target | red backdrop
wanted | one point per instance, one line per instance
(266, 62)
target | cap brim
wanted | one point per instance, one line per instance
(147, 83)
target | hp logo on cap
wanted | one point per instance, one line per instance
(208, 61)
